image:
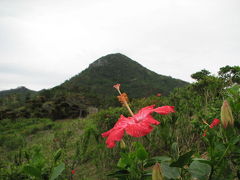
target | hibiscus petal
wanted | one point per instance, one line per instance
(136, 126)
(117, 132)
(144, 112)
(122, 122)
(106, 134)
(138, 129)
(115, 135)
(150, 120)
(164, 110)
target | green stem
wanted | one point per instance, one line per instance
(142, 169)
(211, 144)
(225, 152)
(211, 173)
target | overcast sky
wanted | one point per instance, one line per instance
(45, 42)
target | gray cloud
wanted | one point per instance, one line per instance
(12, 76)
(46, 42)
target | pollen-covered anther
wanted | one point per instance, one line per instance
(123, 98)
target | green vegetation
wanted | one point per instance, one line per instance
(183, 146)
(21, 92)
(91, 87)
(138, 81)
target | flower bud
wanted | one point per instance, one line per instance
(122, 144)
(157, 172)
(226, 114)
(204, 133)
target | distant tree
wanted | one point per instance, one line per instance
(200, 75)
(230, 74)
(207, 85)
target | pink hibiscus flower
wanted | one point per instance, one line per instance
(136, 126)
(73, 171)
(215, 122)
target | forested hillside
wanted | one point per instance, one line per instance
(192, 133)
(117, 68)
(15, 97)
(90, 88)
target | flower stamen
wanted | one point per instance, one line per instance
(123, 98)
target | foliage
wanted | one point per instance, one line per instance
(200, 75)
(15, 97)
(230, 74)
(89, 88)
(131, 164)
(74, 149)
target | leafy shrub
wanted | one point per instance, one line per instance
(12, 142)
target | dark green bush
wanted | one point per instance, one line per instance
(13, 142)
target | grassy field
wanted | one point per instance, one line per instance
(23, 136)
(189, 143)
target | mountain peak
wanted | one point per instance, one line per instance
(110, 58)
(22, 87)
(21, 90)
(108, 70)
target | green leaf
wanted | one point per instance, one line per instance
(38, 159)
(182, 160)
(162, 158)
(175, 150)
(57, 155)
(170, 172)
(32, 171)
(199, 170)
(141, 153)
(124, 161)
(235, 140)
(202, 160)
(57, 171)
(119, 174)
(159, 159)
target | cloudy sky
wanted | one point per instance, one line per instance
(45, 42)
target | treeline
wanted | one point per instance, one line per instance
(60, 102)
(57, 106)
(179, 134)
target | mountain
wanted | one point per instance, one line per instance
(91, 87)
(19, 90)
(111, 69)
(15, 97)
